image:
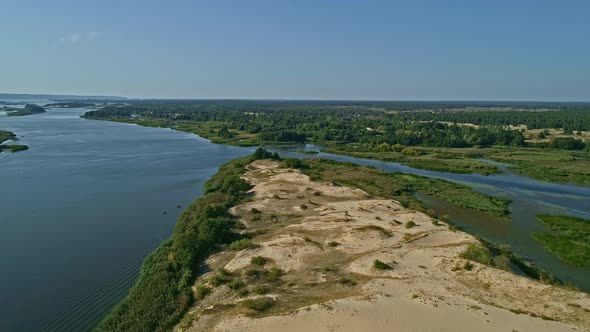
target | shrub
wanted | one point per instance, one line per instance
(259, 304)
(235, 284)
(295, 163)
(261, 290)
(478, 253)
(410, 224)
(201, 291)
(333, 244)
(258, 260)
(241, 244)
(346, 281)
(274, 274)
(379, 265)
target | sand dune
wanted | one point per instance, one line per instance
(321, 234)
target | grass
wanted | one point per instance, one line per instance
(402, 186)
(542, 164)
(202, 291)
(379, 265)
(241, 244)
(568, 238)
(259, 304)
(258, 260)
(478, 253)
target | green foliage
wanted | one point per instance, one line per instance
(29, 109)
(202, 291)
(260, 290)
(569, 238)
(274, 274)
(236, 284)
(10, 136)
(259, 304)
(379, 265)
(261, 153)
(478, 253)
(258, 260)
(241, 244)
(410, 224)
(294, 163)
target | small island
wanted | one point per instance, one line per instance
(69, 105)
(29, 109)
(10, 136)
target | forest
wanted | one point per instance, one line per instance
(403, 124)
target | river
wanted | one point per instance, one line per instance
(90, 199)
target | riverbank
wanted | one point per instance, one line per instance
(545, 164)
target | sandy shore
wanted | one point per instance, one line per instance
(321, 234)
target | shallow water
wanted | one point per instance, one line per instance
(85, 204)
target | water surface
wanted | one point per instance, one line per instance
(81, 209)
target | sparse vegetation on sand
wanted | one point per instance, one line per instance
(379, 265)
(401, 186)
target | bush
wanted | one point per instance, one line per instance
(258, 260)
(346, 281)
(379, 265)
(410, 224)
(262, 153)
(202, 291)
(235, 284)
(478, 253)
(220, 279)
(260, 290)
(295, 163)
(259, 304)
(333, 244)
(241, 244)
(274, 274)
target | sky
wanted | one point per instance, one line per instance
(347, 50)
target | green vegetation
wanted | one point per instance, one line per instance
(241, 244)
(379, 265)
(69, 105)
(259, 304)
(162, 292)
(410, 224)
(402, 186)
(29, 109)
(202, 291)
(258, 260)
(10, 136)
(489, 254)
(478, 253)
(449, 137)
(568, 238)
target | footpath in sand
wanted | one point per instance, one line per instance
(326, 238)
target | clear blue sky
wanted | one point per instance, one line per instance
(419, 50)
